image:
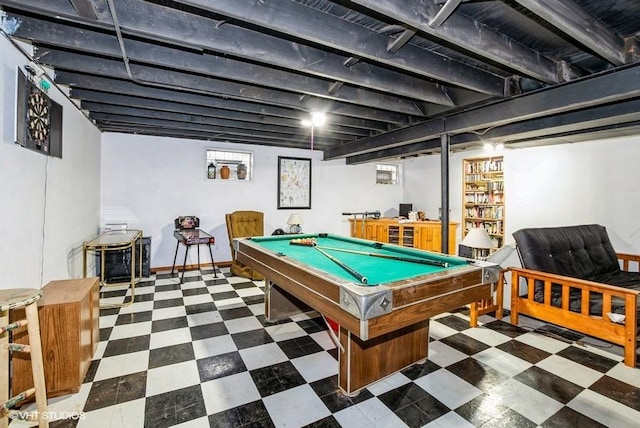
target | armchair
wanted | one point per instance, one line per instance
(241, 224)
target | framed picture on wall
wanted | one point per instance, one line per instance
(294, 183)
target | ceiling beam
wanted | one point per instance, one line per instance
(618, 115)
(604, 88)
(195, 119)
(303, 22)
(224, 68)
(119, 86)
(84, 8)
(143, 74)
(298, 131)
(168, 79)
(132, 121)
(444, 13)
(574, 121)
(119, 99)
(181, 28)
(395, 44)
(143, 18)
(469, 35)
(578, 24)
(92, 98)
(183, 134)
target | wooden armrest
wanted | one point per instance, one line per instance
(574, 282)
(627, 259)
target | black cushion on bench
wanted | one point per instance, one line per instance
(583, 252)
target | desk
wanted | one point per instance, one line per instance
(189, 237)
(383, 325)
(112, 240)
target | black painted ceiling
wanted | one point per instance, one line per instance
(392, 75)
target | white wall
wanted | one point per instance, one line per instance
(423, 184)
(566, 184)
(48, 206)
(149, 181)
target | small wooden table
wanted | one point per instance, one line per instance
(112, 240)
(189, 237)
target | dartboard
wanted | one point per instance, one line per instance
(38, 118)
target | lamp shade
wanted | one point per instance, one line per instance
(294, 219)
(477, 238)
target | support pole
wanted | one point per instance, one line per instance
(445, 140)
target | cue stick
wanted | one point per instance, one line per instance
(388, 256)
(353, 272)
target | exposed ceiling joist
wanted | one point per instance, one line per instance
(92, 42)
(574, 21)
(615, 86)
(392, 75)
(84, 8)
(117, 86)
(445, 12)
(292, 18)
(469, 35)
(619, 116)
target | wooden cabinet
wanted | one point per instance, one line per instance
(425, 235)
(401, 235)
(483, 197)
(69, 331)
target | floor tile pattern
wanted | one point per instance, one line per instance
(201, 354)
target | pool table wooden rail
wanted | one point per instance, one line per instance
(408, 301)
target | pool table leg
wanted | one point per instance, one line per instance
(365, 362)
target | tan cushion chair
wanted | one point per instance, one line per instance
(241, 224)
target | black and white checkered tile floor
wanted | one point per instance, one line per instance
(201, 354)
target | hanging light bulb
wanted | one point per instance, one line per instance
(316, 118)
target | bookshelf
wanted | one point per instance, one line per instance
(483, 197)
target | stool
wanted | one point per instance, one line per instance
(189, 237)
(12, 299)
(187, 232)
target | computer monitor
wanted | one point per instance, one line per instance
(404, 210)
(464, 251)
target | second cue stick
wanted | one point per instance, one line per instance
(363, 279)
(389, 256)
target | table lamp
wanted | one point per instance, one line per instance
(294, 223)
(478, 239)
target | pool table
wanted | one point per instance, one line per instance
(381, 296)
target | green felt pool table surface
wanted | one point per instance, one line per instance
(377, 270)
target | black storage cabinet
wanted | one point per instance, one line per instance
(117, 266)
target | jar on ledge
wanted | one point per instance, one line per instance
(225, 172)
(241, 171)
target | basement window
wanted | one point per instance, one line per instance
(229, 165)
(387, 173)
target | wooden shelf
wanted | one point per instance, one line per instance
(483, 196)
